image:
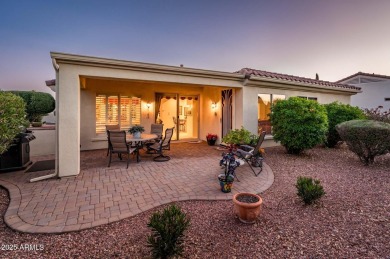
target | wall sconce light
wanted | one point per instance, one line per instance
(148, 106)
(214, 108)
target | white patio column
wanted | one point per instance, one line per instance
(249, 109)
(68, 122)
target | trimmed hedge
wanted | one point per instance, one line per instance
(366, 138)
(12, 118)
(38, 104)
(299, 124)
(338, 113)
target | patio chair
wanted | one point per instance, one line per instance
(164, 144)
(157, 129)
(251, 155)
(110, 127)
(118, 145)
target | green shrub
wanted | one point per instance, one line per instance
(366, 138)
(309, 190)
(238, 137)
(377, 114)
(338, 113)
(12, 118)
(38, 104)
(298, 124)
(168, 229)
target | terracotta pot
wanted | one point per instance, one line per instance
(247, 212)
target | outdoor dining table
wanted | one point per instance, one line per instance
(138, 142)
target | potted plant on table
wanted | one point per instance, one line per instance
(136, 130)
(211, 138)
(229, 163)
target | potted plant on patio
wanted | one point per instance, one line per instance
(136, 130)
(229, 163)
(211, 138)
(247, 206)
(237, 137)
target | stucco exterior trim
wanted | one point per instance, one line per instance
(140, 66)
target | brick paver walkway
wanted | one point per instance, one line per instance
(99, 195)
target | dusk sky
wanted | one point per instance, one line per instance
(332, 38)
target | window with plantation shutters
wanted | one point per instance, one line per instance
(125, 112)
(135, 111)
(114, 110)
(101, 109)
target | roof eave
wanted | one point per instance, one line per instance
(279, 83)
(65, 58)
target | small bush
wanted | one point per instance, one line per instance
(298, 124)
(309, 190)
(238, 137)
(38, 104)
(338, 113)
(366, 138)
(168, 231)
(377, 114)
(12, 118)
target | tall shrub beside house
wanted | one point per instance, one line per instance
(38, 104)
(299, 124)
(12, 118)
(366, 138)
(338, 113)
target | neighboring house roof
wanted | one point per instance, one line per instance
(266, 74)
(50, 82)
(363, 74)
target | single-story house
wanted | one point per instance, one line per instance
(375, 90)
(92, 92)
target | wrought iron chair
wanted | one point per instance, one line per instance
(252, 155)
(164, 144)
(118, 145)
(110, 127)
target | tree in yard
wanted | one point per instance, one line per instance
(12, 118)
(38, 104)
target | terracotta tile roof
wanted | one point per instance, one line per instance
(364, 74)
(270, 75)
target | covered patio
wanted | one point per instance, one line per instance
(100, 195)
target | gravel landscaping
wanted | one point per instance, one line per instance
(351, 221)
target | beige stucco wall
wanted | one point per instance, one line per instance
(44, 142)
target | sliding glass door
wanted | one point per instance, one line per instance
(179, 111)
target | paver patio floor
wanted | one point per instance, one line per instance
(99, 194)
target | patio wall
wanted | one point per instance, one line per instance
(44, 142)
